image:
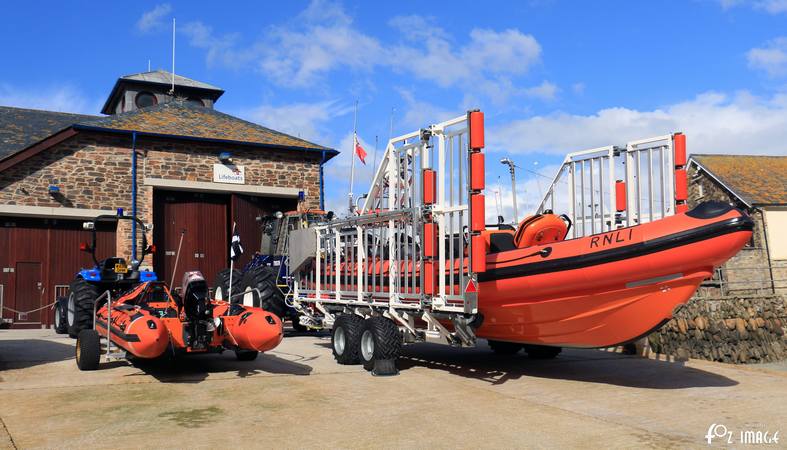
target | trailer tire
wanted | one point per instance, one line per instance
(79, 310)
(246, 355)
(504, 348)
(270, 298)
(59, 320)
(346, 338)
(88, 350)
(221, 285)
(380, 339)
(542, 351)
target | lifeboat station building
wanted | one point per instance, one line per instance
(197, 172)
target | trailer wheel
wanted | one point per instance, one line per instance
(88, 350)
(61, 327)
(221, 285)
(345, 338)
(542, 351)
(246, 355)
(79, 311)
(504, 348)
(380, 339)
(270, 298)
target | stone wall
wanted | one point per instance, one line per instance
(94, 171)
(732, 330)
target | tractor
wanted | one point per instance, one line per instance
(263, 280)
(75, 312)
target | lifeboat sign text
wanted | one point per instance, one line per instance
(603, 240)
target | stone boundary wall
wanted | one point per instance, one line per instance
(736, 330)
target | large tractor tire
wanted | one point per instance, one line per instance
(380, 339)
(346, 338)
(261, 290)
(61, 327)
(542, 351)
(79, 310)
(504, 348)
(221, 286)
(88, 350)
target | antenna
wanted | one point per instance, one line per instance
(172, 91)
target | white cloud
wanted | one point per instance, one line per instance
(714, 123)
(545, 91)
(153, 20)
(772, 58)
(769, 6)
(304, 120)
(63, 98)
(220, 49)
(578, 88)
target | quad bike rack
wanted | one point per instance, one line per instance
(413, 251)
(615, 186)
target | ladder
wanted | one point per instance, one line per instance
(414, 249)
(605, 188)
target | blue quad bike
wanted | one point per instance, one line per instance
(74, 312)
(262, 282)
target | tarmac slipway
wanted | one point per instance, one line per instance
(297, 396)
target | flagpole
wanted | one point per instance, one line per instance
(232, 269)
(352, 156)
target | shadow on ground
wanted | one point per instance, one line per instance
(23, 353)
(196, 368)
(592, 366)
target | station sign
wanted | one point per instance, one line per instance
(228, 173)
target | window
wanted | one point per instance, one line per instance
(145, 99)
(195, 101)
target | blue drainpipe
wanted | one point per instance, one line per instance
(134, 195)
(322, 186)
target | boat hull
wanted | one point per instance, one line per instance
(606, 289)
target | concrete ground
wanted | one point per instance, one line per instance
(298, 397)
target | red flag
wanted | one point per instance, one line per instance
(360, 151)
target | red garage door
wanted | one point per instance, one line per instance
(247, 211)
(40, 257)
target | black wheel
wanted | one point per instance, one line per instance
(246, 355)
(504, 348)
(221, 286)
(542, 351)
(261, 290)
(346, 338)
(88, 351)
(60, 317)
(79, 306)
(380, 339)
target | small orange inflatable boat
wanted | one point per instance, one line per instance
(149, 321)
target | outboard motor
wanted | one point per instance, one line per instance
(198, 309)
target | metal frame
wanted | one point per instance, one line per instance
(391, 221)
(591, 175)
(109, 355)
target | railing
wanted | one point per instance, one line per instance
(61, 290)
(743, 280)
(604, 188)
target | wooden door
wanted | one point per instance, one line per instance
(195, 223)
(29, 288)
(247, 211)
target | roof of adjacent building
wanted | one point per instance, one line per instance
(20, 127)
(756, 180)
(183, 119)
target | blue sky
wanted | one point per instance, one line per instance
(552, 76)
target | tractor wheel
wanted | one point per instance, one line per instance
(222, 284)
(296, 325)
(267, 295)
(345, 338)
(79, 310)
(246, 355)
(380, 339)
(88, 351)
(61, 327)
(542, 351)
(504, 348)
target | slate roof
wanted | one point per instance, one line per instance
(20, 127)
(164, 77)
(183, 119)
(757, 180)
